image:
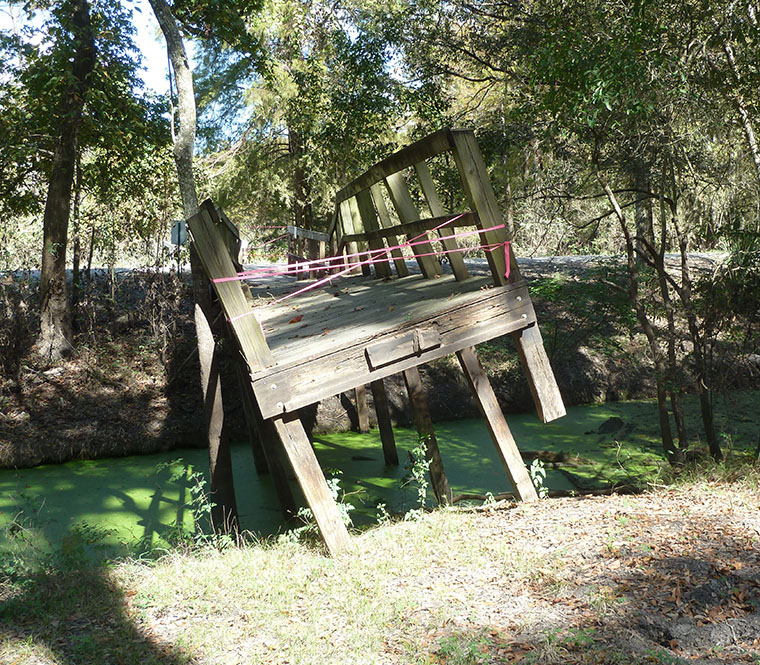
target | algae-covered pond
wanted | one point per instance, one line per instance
(135, 503)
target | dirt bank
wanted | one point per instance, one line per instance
(132, 384)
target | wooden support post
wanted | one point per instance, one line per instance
(346, 220)
(426, 432)
(541, 381)
(384, 424)
(369, 220)
(322, 254)
(530, 347)
(480, 194)
(353, 207)
(497, 425)
(224, 513)
(437, 210)
(407, 212)
(362, 410)
(385, 222)
(249, 410)
(312, 482)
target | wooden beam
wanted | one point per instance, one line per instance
(407, 212)
(530, 348)
(426, 432)
(298, 232)
(437, 210)
(541, 380)
(430, 146)
(446, 222)
(353, 207)
(497, 425)
(387, 229)
(362, 410)
(346, 222)
(477, 188)
(369, 218)
(380, 398)
(224, 513)
(218, 266)
(313, 483)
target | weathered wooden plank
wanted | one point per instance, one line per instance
(541, 380)
(386, 230)
(359, 309)
(530, 348)
(298, 232)
(398, 348)
(346, 223)
(437, 210)
(353, 207)
(218, 265)
(426, 433)
(380, 399)
(497, 425)
(425, 148)
(446, 223)
(362, 409)
(312, 482)
(369, 218)
(231, 237)
(229, 229)
(224, 512)
(407, 212)
(299, 381)
(255, 353)
(477, 188)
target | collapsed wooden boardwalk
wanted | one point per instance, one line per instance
(371, 318)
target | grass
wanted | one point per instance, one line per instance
(448, 588)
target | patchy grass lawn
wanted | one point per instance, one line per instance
(670, 576)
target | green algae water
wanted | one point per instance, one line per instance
(134, 504)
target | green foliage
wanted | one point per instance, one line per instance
(309, 529)
(314, 111)
(418, 478)
(202, 531)
(537, 472)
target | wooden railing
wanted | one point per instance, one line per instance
(363, 219)
(307, 245)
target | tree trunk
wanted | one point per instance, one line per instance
(673, 454)
(304, 217)
(221, 483)
(741, 107)
(55, 316)
(184, 139)
(77, 244)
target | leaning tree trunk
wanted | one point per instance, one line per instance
(673, 454)
(224, 511)
(55, 316)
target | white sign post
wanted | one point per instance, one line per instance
(179, 237)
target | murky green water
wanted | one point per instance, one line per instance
(143, 499)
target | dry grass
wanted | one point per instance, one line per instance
(657, 578)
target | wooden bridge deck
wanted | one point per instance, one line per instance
(361, 329)
(358, 330)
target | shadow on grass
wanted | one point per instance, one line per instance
(77, 616)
